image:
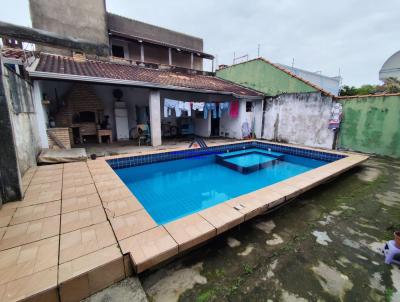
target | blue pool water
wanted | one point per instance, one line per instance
(173, 189)
(251, 159)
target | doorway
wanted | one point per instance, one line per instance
(215, 126)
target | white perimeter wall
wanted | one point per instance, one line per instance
(299, 119)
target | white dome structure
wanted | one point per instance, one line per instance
(391, 68)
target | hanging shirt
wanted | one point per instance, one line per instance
(234, 109)
(208, 107)
(223, 106)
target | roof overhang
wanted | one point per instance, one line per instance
(68, 77)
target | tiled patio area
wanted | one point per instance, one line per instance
(68, 237)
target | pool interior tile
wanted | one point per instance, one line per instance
(28, 259)
(72, 221)
(131, 224)
(28, 232)
(222, 217)
(190, 231)
(84, 241)
(79, 203)
(149, 248)
(35, 212)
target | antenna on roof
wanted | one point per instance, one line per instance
(244, 57)
(292, 63)
(258, 50)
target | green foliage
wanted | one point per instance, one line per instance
(391, 85)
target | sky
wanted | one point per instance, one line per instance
(353, 37)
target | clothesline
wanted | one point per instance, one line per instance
(215, 108)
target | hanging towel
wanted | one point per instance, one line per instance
(234, 109)
(223, 106)
(198, 106)
(210, 107)
(336, 116)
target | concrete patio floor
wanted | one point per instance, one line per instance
(79, 229)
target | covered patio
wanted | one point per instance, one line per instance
(89, 103)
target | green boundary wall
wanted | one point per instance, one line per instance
(371, 124)
(262, 76)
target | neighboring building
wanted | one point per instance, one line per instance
(391, 67)
(330, 84)
(267, 77)
(127, 39)
(296, 110)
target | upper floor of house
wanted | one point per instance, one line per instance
(127, 39)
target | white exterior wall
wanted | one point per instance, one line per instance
(232, 127)
(202, 127)
(299, 119)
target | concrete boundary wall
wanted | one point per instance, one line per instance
(371, 124)
(299, 118)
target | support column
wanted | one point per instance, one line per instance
(41, 115)
(169, 56)
(141, 52)
(155, 117)
(191, 61)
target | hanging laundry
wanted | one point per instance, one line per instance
(234, 109)
(185, 106)
(169, 105)
(198, 106)
(336, 116)
(210, 107)
(223, 106)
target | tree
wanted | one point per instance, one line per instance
(391, 85)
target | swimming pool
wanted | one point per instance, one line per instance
(177, 185)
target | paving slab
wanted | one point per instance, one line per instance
(121, 207)
(149, 248)
(35, 212)
(28, 259)
(79, 203)
(190, 231)
(222, 217)
(72, 221)
(131, 224)
(85, 241)
(28, 232)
